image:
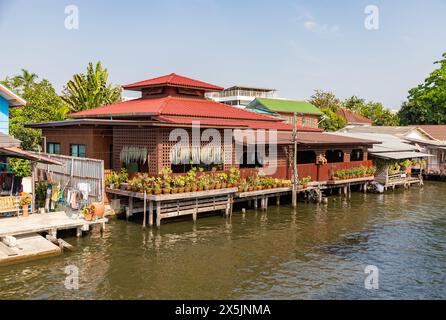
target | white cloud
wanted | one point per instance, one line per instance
(313, 26)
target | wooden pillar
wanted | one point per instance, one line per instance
(144, 221)
(255, 203)
(158, 214)
(33, 187)
(129, 212)
(278, 200)
(150, 213)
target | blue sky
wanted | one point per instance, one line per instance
(293, 46)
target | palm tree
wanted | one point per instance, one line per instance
(90, 90)
(27, 79)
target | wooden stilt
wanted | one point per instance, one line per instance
(278, 200)
(151, 213)
(158, 214)
(144, 222)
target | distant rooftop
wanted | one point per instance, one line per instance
(241, 87)
(283, 105)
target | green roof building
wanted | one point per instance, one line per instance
(277, 106)
(307, 114)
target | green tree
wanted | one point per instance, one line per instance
(426, 103)
(374, 111)
(43, 104)
(325, 100)
(329, 105)
(90, 90)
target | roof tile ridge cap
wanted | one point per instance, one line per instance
(164, 105)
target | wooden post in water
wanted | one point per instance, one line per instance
(295, 176)
(151, 213)
(144, 221)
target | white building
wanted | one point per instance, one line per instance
(241, 96)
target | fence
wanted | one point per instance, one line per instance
(77, 170)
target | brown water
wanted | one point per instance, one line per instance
(316, 252)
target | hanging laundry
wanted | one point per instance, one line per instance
(85, 189)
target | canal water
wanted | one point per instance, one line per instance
(317, 252)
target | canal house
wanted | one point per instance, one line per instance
(398, 162)
(135, 134)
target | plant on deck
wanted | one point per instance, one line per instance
(357, 172)
(194, 180)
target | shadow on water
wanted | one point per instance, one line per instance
(316, 251)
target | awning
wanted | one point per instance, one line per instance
(15, 152)
(400, 155)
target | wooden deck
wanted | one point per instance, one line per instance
(46, 222)
(174, 205)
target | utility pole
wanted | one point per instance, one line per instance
(295, 176)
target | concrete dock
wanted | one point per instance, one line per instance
(20, 238)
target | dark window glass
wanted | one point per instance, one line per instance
(53, 148)
(78, 150)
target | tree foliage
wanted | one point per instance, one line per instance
(329, 105)
(43, 104)
(426, 103)
(90, 90)
(374, 111)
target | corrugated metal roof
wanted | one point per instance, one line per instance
(172, 79)
(436, 131)
(389, 143)
(401, 155)
(352, 117)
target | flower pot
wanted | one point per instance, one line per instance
(201, 188)
(157, 192)
(223, 185)
(174, 191)
(99, 209)
(274, 186)
(25, 211)
(181, 190)
(88, 217)
(194, 189)
(250, 189)
(187, 189)
(218, 186)
(241, 189)
(166, 191)
(112, 186)
(230, 185)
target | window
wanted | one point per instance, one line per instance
(53, 148)
(357, 155)
(334, 156)
(77, 150)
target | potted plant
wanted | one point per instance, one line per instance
(157, 189)
(87, 212)
(25, 202)
(306, 181)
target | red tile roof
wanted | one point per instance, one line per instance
(352, 117)
(172, 80)
(173, 106)
(277, 125)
